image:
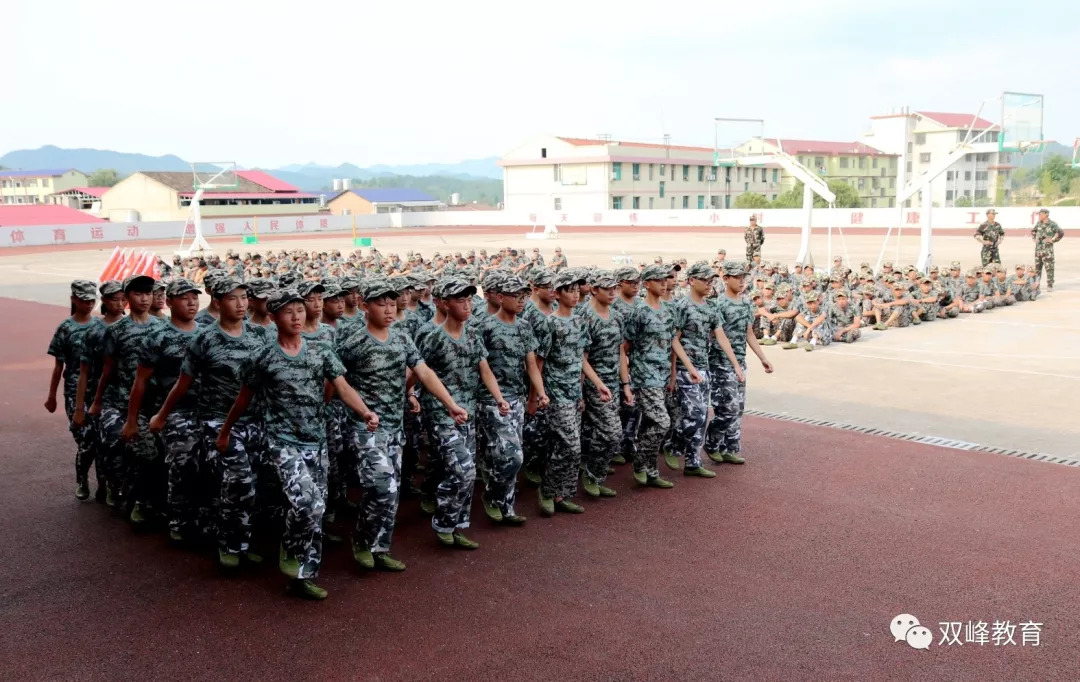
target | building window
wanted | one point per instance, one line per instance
(715, 201)
(873, 163)
(862, 183)
(701, 201)
(910, 147)
(862, 162)
(920, 138)
(616, 170)
(637, 171)
(776, 175)
(908, 166)
(924, 157)
(774, 197)
(892, 202)
(873, 203)
(636, 203)
(673, 199)
(892, 182)
(543, 152)
(661, 183)
(727, 201)
(651, 171)
(875, 183)
(558, 204)
(616, 203)
(558, 172)
(982, 175)
(746, 186)
(967, 192)
(661, 170)
(701, 175)
(982, 158)
(686, 173)
(686, 201)
(843, 162)
(738, 173)
(948, 195)
(967, 175)
(980, 194)
(819, 162)
(949, 175)
(650, 202)
(727, 174)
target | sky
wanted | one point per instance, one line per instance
(272, 83)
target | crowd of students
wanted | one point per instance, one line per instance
(291, 403)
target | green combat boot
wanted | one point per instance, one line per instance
(514, 520)
(136, 516)
(657, 482)
(790, 345)
(287, 564)
(589, 486)
(547, 505)
(110, 499)
(464, 542)
(672, 460)
(618, 459)
(569, 507)
(493, 513)
(253, 558)
(82, 492)
(732, 458)
(176, 537)
(717, 457)
(388, 563)
(880, 326)
(228, 560)
(332, 538)
(427, 506)
(445, 539)
(641, 477)
(916, 320)
(306, 590)
(362, 557)
(533, 478)
(768, 341)
(606, 492)
(700, 471)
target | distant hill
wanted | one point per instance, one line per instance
(1036, 160)
(89, 160)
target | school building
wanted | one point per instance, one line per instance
(366, 201)
(550, 173)
(35, 186)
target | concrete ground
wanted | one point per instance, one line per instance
(997, 379)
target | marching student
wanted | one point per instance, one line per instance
(210, 314)
(259, 291)
(534, 435)
(289, 375)
(723, 440)
(215, 358)
(157, 306)
(66, 348)
(456, 353)
(314, 328)
(379, 359)
(629, 279)
(132, 461)
(160, 360)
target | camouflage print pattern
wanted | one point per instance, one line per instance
(456, 362)
(929, 311)
(837, 318)
(1020, 292)
(755, 237)
(987, 291)
(123, 343)
(204, 318)
(1044, 253)
(66, 345)
(601, 433)
(824, 331)
(781, 329)
(907, 313)
(325, 334)
(218, 360)
(378, 467)
(163, 350)
(562, 347)
(992, 232)
(376, 370)
(724, 433)
(508, 345)
(455, 448)
(630, 418)
(654, 426)
(564, 461)
(696, 324)
(234, 477)
(413, 435)
(1003, 291)
(337, 466)
(649, 332)
(502, 457)
(735, 317)
(187, 504)
(689, 430)
(535, 441)
(302, 472)
(93, 354)
(87, 438)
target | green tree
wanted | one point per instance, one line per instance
(846, 196)
(751, 200)
(103, 177)
(1049, 186)
(1060, 171)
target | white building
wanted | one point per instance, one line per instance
(924, 137)
(550, 173)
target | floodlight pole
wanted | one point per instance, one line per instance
(198, 242)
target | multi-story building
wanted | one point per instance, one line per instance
(367, 200)
(33, 186)
(870, 171)
(571, 174)
(925, 137)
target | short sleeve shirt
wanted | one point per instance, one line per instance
(164, 351)
(123, 343)
(376, 370)
(507, 345)
(291, 389)
(457, 364)
(605, 339)
(649, 332)
(736, 315)
(696, 322)
(217, 360)
(66, 346)
(562, 347)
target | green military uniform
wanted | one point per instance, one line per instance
(1046, 234)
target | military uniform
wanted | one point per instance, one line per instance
(601, 427)
(534, 431)
(969, 293)
(839, 317)
(92, 354)
(696, 323)
(755, 238)
(728, 394)
(1046, 235)
(991, 232)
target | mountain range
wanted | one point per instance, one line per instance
(309, 176)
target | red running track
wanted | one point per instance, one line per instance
(789, 567)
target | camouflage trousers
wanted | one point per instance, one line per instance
(630, 417)
(671, 404)
(823, 333)
(413, 440)
(502, 454)
(601, 431)
(189, 508)
(1023, 294)
(929, 312)
(1044, 258)
(378, 468)
(455, 449)
(751, 251)
(728, 396)
(337, 452)
(848, 337)
(535, 441)
(973, 307)
(86, 446)
(302, 472)
(654, 426)
(132, 470)
(989, 254)
(564, 461)
(234, 475)
(689, 427)
(781, 329)
(1006, 299)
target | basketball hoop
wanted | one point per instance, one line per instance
(1076, 153)
(206, 176)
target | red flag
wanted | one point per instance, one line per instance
(110, 265)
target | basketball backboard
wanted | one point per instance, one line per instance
(735, 138)
(214, 175)
(1021, 123)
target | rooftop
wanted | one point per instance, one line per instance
(248, 182)
(584, 142)
(826, 147)
(956, 120)
(389, 195)
(92, 191)
(43, 214)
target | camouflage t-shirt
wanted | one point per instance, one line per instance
(987, 289)
(507, 346)
(412, 322)
(837, 318)
(1014, 286)
(66, 345)
(736, 316)
(697, 322)
(204, 318)
(623, 308)
(563, 348)
(426, 310)
(123, 343)
(376, 370)
(536, 318)
(217, 361)
(969, 293)
(649, 332)
(325, 333)
(605, 339)
(93, 347)
(291, 389)
(456, 362)
(164, 350)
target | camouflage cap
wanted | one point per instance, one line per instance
(543, 278)
(424, 276)
(110, 287)
(350, 282)
(332, 290)
(132, 280)
(492, 278)
(955, 265)
(281, 298)
(223, 285)
(934, 268)
(971, 273)
(159, 285)
(181, 286)
(721, 251)
(733, 268)
(887, 264)
(308, 287)
(841, 293)
(783, 290)
(603, 279)
(1021, 266)
(654, 272)
(627, 273)
(810, 296)
(289, 279)
(567, 277)
(454, 287)
(84, 290)
(925, 279)
(868, 289)
(378, 287)
(701, 270)
(260, 288)
(769, 286)
(510, 284)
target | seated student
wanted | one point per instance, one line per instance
(927, 307)
(899, 312)
(1002, 289)
(982, 281)
(780, 317)
(1018, 284)
(1034, 282)
(970, 295)
(844, 319)
(813, 325)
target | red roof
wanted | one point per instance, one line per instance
(92, 191)
(956, 120)
(266, 180)
(43, 214)
(827, 148)
(252, 195)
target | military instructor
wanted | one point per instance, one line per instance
(990, 234)
(1045, 234)
(755, 237)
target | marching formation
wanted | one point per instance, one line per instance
(319, 387)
